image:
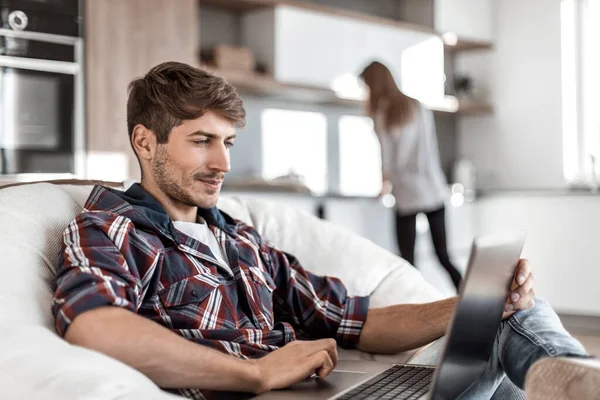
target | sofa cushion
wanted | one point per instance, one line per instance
(327, 249)
(33, 218)
(35, 364)
(32, 221)
(34, 361)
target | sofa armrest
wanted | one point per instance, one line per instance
(35, 363)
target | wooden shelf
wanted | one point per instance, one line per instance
(248, 5)
(462, 44)
(471, 107)
(452, 105)
(468, 45)
(239, 5)
(264, 85)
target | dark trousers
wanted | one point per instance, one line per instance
(406, 232)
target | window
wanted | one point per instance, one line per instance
(580, 48)
(360, 157)
(295, 143)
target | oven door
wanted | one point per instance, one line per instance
(55, 7)
(41, 121)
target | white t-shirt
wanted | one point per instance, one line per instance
(202, 233)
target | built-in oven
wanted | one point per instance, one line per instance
(41, 88)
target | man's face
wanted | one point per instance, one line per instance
(190, 167)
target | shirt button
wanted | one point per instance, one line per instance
(195, 293)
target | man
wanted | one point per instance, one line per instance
(160, 279)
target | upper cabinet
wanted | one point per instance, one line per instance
(308, 47)
(466, 20)
(464, 24)
(312, 52)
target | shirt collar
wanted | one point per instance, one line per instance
(136, 195)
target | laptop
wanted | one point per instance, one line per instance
(469, 340)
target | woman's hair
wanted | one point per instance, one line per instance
(383, 92)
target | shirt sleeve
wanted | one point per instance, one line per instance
(387, 154)
(316, 306)
(93, 272)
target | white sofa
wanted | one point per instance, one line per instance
(35, 363)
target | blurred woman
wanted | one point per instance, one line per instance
(410, 161)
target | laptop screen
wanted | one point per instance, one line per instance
(470, 338)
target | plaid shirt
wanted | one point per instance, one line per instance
(124, 251)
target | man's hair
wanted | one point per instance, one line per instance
(173, 92)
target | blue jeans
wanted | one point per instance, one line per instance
(522, 339)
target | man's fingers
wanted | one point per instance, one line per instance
(332, 350)
(523, 290)
(308, 348)
(323, 364)
(522, 272)
(330, 346)
(522, 293)
(522, 296)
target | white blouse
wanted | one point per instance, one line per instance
(411, 159)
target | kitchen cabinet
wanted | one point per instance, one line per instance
(468, 24)
(467, 19)
(367, 217)
(319, 65)
(124, 39)
(336, 47)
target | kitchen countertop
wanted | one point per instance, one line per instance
(481, 194)
(325, 196)
(8, 180)
(556, 192)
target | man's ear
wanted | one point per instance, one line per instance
(143, 141)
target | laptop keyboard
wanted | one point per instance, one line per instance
(399, 382)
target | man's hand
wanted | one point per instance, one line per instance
(521, 290)
(294, 362)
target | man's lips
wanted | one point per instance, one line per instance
(212, 182)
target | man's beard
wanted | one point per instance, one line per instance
(179, 188)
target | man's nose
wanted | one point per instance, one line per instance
(219, 159)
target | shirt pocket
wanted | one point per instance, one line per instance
(263, 287)
(262, 279)
(194, 303)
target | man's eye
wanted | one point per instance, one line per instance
(229, 144)
(203, 141)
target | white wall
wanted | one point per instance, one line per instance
(561, 245)
(520, 146)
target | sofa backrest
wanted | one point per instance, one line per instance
(33, 218)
